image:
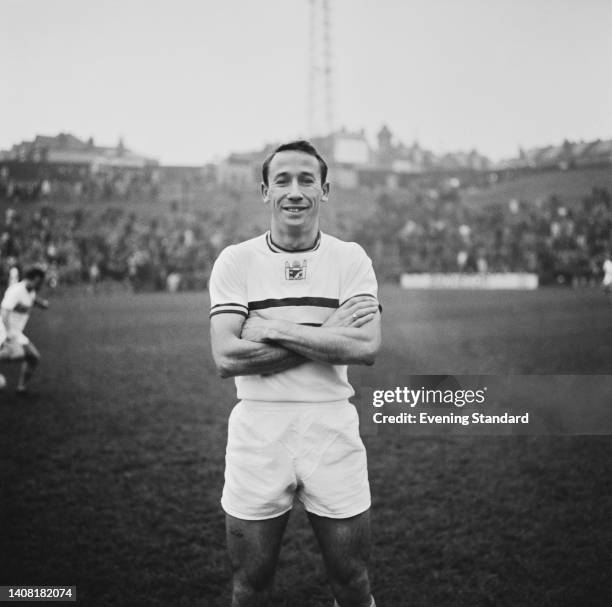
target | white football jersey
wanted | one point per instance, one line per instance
(259, 278)
(19, 301)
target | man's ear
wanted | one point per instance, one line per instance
(325, 189)
(265, 192)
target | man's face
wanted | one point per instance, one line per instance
(294, 190)
(34, 284)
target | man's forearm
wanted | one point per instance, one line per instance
(252, 358)
(334, 345)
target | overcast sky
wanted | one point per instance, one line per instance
(188, 81)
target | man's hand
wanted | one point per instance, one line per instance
(42, 303)
(355, 312)
(256, 329)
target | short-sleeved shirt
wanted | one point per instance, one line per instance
(259, 278)
(19, 301)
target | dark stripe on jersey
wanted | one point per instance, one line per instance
(319, 302)
(229, 304)
(278, 249)
(240, 312)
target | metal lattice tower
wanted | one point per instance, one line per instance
(320, 73)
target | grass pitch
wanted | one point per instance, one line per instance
(112, 470)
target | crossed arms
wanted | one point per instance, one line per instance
(351, 335)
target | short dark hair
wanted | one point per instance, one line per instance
(299, 145)
(34, 273)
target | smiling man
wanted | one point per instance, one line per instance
(290, 309)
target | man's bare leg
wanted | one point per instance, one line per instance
(29, 364)
(253, 547)
(345, 545)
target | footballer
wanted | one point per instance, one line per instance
(290, 309)
(17, 303)
(606, 282)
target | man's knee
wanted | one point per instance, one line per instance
(351, 585)
(32, 359)
(258, 577)
(252, 585)
(31, 355)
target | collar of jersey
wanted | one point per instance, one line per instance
(277, 249)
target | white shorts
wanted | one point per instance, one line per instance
(276, 451)
(13, 348)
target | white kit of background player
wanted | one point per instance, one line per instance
(15, 308)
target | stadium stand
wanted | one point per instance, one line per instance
(90, 213)
(428, 230)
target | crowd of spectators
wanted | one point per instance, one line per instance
(173, 252)
(430, 231)
(437, 233)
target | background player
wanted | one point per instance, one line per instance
(607, 276)
(289, 310)
(18, 301)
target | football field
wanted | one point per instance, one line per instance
(112, 469)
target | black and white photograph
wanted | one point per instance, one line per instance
(306, 303)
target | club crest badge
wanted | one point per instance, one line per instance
(295, 270)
